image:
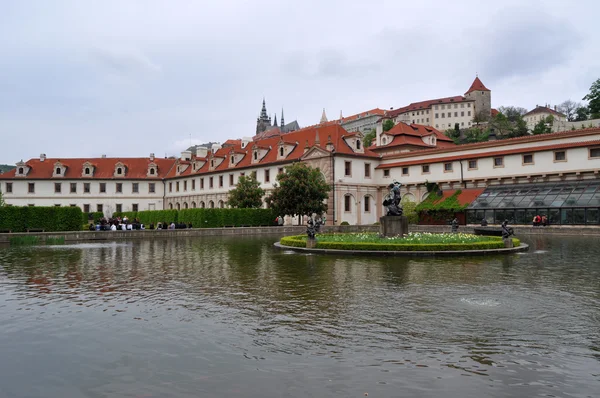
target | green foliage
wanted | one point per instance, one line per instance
(512, 113)
(454, 134)
(581, 114)
(441, 208)
(301, 190)
(475, 134)
(369, 137)
(216, 218)
(6, 167)
(409, 210)
(58, 240)
(20, 219)
(247, 193)
(2, 202)
(388, 125)
(544, 126)
(393, 245)
(92, 217)
(24, 240)
(344, 223)
(593, 98)
(148, 217)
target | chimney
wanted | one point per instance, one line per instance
(103, 156)
(152, 157)
(42, 157)
(186, 155)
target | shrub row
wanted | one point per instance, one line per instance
(20, 219)
(206, 218)
(300, 241)
(95, 216)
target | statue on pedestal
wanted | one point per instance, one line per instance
(392, 200)
(455, 226)
(313, 226)
(506, 231)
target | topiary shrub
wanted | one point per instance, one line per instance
(344, 223)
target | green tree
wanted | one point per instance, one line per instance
(300, 191)
(581, 114)
(475, 135)
(569, 109)
(409, 209)
(593, 97)
(512, 113)
(247, 193)
(369, 137)
(2, 202)
(388, 125)
(544, 126)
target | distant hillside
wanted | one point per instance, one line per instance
(5, 167)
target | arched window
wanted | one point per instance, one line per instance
(281, 151)
(119, 170)
(202, 205)
(170, 206)
(58, 170)
(87, 170)
(211, 204)
(384, 141)
(221, 204)
(193, 205)
(232, 159)
(178, 206)
(358, 144)
(152, 171)
(212, 163)
(20, 170)
(255, 155)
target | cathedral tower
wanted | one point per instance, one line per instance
(263, 122)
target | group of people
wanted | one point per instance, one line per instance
(124, 224)
(540, 220)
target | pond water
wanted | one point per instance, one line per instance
(235, 317)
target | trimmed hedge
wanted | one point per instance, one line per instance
(95, 216)
(300, 241)
(205, 218)
(51, 219)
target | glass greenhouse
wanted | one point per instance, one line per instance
(576, 202)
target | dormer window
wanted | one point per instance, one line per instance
(357, 144)
(20, 170)
(232, 159)
(281, 151)
(58, 171)
(87, 171)
(119, 170)
(212, 163)
(152, 172)
(255, 155)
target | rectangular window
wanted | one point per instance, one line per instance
(57, 205)
(499, 162)
(425, 169)
(462, 113)
(455, 114)
(73, 187)
(437, 115)
(469, 105)
(560, 156)
(347, 169)
(367, 170)
(31, 187)
(386, 172)
(193, 185)
(170, 187)
(177, 186)
(102, 187)
(472, 164)
(220, 181)
(528, 159)
(202, 183)
(347, 203)
(210, 182)
(151, 187)
(447, 167)
(119, 208)
(57, 187)
(86, 208)
(443, 115)
(427, 120)
(99, 208)
(462, 105)
(405, 171)
(367, 201)
(594, 152)
(455, 106)
(267, 176)
(469, 113)
(119, 187)
(185, 185)
(443, 106)
(134, 207)
(72, 205)
(9, 187)
(135, 187)
(280, 170)
(230, 180)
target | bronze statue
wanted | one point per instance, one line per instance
(392, 200)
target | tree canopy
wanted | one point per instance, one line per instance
(593, 97)
(388, 125)
(544, 126)
(368, 138)
(247, 193)
(2, 203)
(581, 114)
(569, 108)
(301, 190)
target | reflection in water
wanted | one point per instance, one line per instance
(234, 317)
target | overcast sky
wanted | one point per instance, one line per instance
(126, 78)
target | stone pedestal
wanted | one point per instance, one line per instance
(311, 243)
(508, 243)
(393, 226)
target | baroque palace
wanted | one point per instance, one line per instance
(557, 174)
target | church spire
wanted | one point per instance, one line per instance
(323, 117)
(263, 112)
(275, 120)
(282, 122)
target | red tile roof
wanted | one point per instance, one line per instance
(296, 140)
(376, 111)
(489, 144)
(477, 86)
(494, 112)
(410, 135)
(504, 152)
(136, 168)
(544, 109)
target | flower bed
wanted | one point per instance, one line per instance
(412, 242)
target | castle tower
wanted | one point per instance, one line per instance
(482, 96)
(264, 121)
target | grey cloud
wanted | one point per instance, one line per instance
(124, 62)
